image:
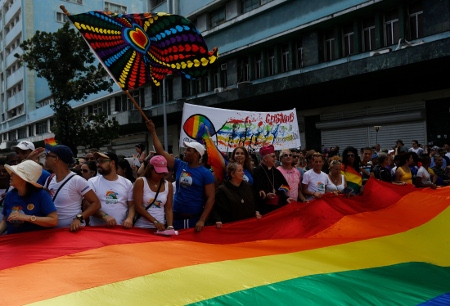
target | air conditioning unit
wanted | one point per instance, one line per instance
(218, 89)
(223, 67)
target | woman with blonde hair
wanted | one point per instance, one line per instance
(336, 180)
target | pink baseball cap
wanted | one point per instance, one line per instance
(159, 163)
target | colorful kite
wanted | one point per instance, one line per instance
(388, 247)
(139, 48)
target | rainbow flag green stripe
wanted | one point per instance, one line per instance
(381, 286)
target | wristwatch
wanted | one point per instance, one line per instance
(80, 218)
(155, 222)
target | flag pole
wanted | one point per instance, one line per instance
(63, 8)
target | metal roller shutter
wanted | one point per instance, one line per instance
(388, 134)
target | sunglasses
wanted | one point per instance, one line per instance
(84, 170)
(287, 155)
(350, 155)
(102, 161)
(273, 156)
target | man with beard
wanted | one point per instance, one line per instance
(115, 193)
(68, 189)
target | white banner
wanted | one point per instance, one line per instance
(232, 128)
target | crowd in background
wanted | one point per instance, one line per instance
(158, 191)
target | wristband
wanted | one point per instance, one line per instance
(155, 222)
(170, 227)
(104, 215)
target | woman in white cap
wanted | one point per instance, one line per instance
(153, 195)
(27, 207)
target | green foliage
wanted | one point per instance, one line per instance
(64, 59)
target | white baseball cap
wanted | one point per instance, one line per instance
(23, 145)
(195, 145)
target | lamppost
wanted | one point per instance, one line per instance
(377, 128)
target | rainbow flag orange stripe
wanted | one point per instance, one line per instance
(50, 141)
(387, 247)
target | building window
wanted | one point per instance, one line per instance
(115, 8)
(41, 127)
(248, 5)
(415, 20)
(186, 87)
(391, 30)
(270, 62)
(224, 76)
(258, 66)
(299, 54)
(75, 1)
(12, 136)
(243, 70)
(217, 17)
(31, 130)
(154, 3)
(328, 46)
(348, 40)
(22, 132)
(61, 17)
(285, 58)
(122, 103)
(368, 36)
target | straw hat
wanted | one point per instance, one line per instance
(27, 170)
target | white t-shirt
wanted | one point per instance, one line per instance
(157, 209)
(418, 151)
(331, 187)
(316, 182)
(424, 175)
(68, 200)
(114, 197)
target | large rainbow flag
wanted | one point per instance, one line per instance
(390, 246)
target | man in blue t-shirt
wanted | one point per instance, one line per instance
(195, 190)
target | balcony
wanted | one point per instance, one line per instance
(12, 10)
(15, 100)
(15, 77)
(16, 30)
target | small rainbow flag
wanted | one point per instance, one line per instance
(50, 141)
(285, 188)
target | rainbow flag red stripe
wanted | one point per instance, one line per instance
(387, 247)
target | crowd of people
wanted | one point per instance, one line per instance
(161, 192)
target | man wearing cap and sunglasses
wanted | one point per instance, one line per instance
(68, 189)
(115, 193)
(26, 150)
(195, 190)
